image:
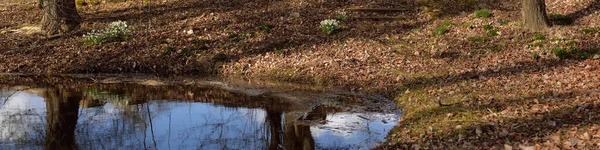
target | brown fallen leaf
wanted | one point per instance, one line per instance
(524, 147)
(507, 147)
(586, 136)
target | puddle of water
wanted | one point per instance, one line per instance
(158, 117)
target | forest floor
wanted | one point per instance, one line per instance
(480, 82)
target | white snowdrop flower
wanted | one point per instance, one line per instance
(331, 22)
(116, 31)
(329, 25)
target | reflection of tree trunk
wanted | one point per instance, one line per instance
(295, 136)
(298, 136)
(274, 120)
(62, 108)
(90, 102)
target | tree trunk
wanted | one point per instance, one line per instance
(534, 15)
(60, 16)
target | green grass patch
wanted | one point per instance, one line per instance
(189, 52)
(539, 36)
(168, 49)
(495, 48)
(536, 43)
(537, 40)
(443, 28)
(478, 39)
(574, 53)
(493, 32)
(572, 43)
(482, 13)
(487, 27)
(280, 52)
(469, 26)
(561, 52)
(163, 41)
(417, 29)
(589, 30)
(446, 23)
(235, 37)
(536, 55)
(560, 19)
(341, 17)
(265, 27)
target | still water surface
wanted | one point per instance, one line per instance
(163, 118)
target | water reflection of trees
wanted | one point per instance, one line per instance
(216, 122)
(21, 127)
(121, 117)
(273, 133)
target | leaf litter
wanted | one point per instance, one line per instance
(464, 89)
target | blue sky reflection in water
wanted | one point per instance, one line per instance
(105, 120)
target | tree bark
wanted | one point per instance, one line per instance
(60, 16)
(534, 15)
